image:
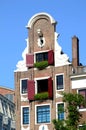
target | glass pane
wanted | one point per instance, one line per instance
(83, 93)
(59, 80)
(41, 57)
(43, 114)
(25, 115)
(61, 111)
(24, 86)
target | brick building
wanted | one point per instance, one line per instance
(43, 74)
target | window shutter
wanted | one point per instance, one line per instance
(29, 60)
(50, 88)
(50, 57)
(31, 89)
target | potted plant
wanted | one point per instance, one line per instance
(41, 96)
(41, 64)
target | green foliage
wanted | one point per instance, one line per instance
(41, 96)
(41, 65)
(83, 127)
(59, 124)
(73, 101)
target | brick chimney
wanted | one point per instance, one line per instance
(75, 51)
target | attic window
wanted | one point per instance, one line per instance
(45, 56)
(41, 56)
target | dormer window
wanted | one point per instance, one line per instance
(42, 57)
(45, 56)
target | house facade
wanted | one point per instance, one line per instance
(43, 74)
(7, 114)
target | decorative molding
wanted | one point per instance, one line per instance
(43, 127)
(25, 128)
(24, 98)
(40, 44)
(21, 65)
(32, 20)
(58, 95)
(60, 59)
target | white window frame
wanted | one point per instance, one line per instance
(21, 86)
(22, 115)
(63, 82)
(79, 126)
(36, 113)
(38, 53)
(57, 109)
(35, 79)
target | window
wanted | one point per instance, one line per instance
(41, 57)
(82, 127)
(43, 114)
(60, 111)
(45, 56)
(59, 82)
(45, 85)
(24, 86)
(83, 93)
(25, 115)
(42, 85)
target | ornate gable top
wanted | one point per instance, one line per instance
(33, 19)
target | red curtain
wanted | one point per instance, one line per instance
(31, 89)
(29, 60)
(50, 87)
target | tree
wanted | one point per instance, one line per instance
(73, 101)
(59, 124)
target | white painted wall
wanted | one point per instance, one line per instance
(80, 83)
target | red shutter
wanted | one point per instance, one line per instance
(50, 57)
(50, 88)
(31, 89)
(29, 60)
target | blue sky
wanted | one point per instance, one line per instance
(14, 16)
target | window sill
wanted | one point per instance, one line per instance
(23, 94)
(25, 124)
(59, 90)
(43, 123)
(82, 109)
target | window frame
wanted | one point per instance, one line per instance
(25, 93)
(84, 108)
(39, 52)
(56, 82)
(42, 57)
(36, 79)
(36, 114)
(81, 126)
(27, 124)
(57, 109)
